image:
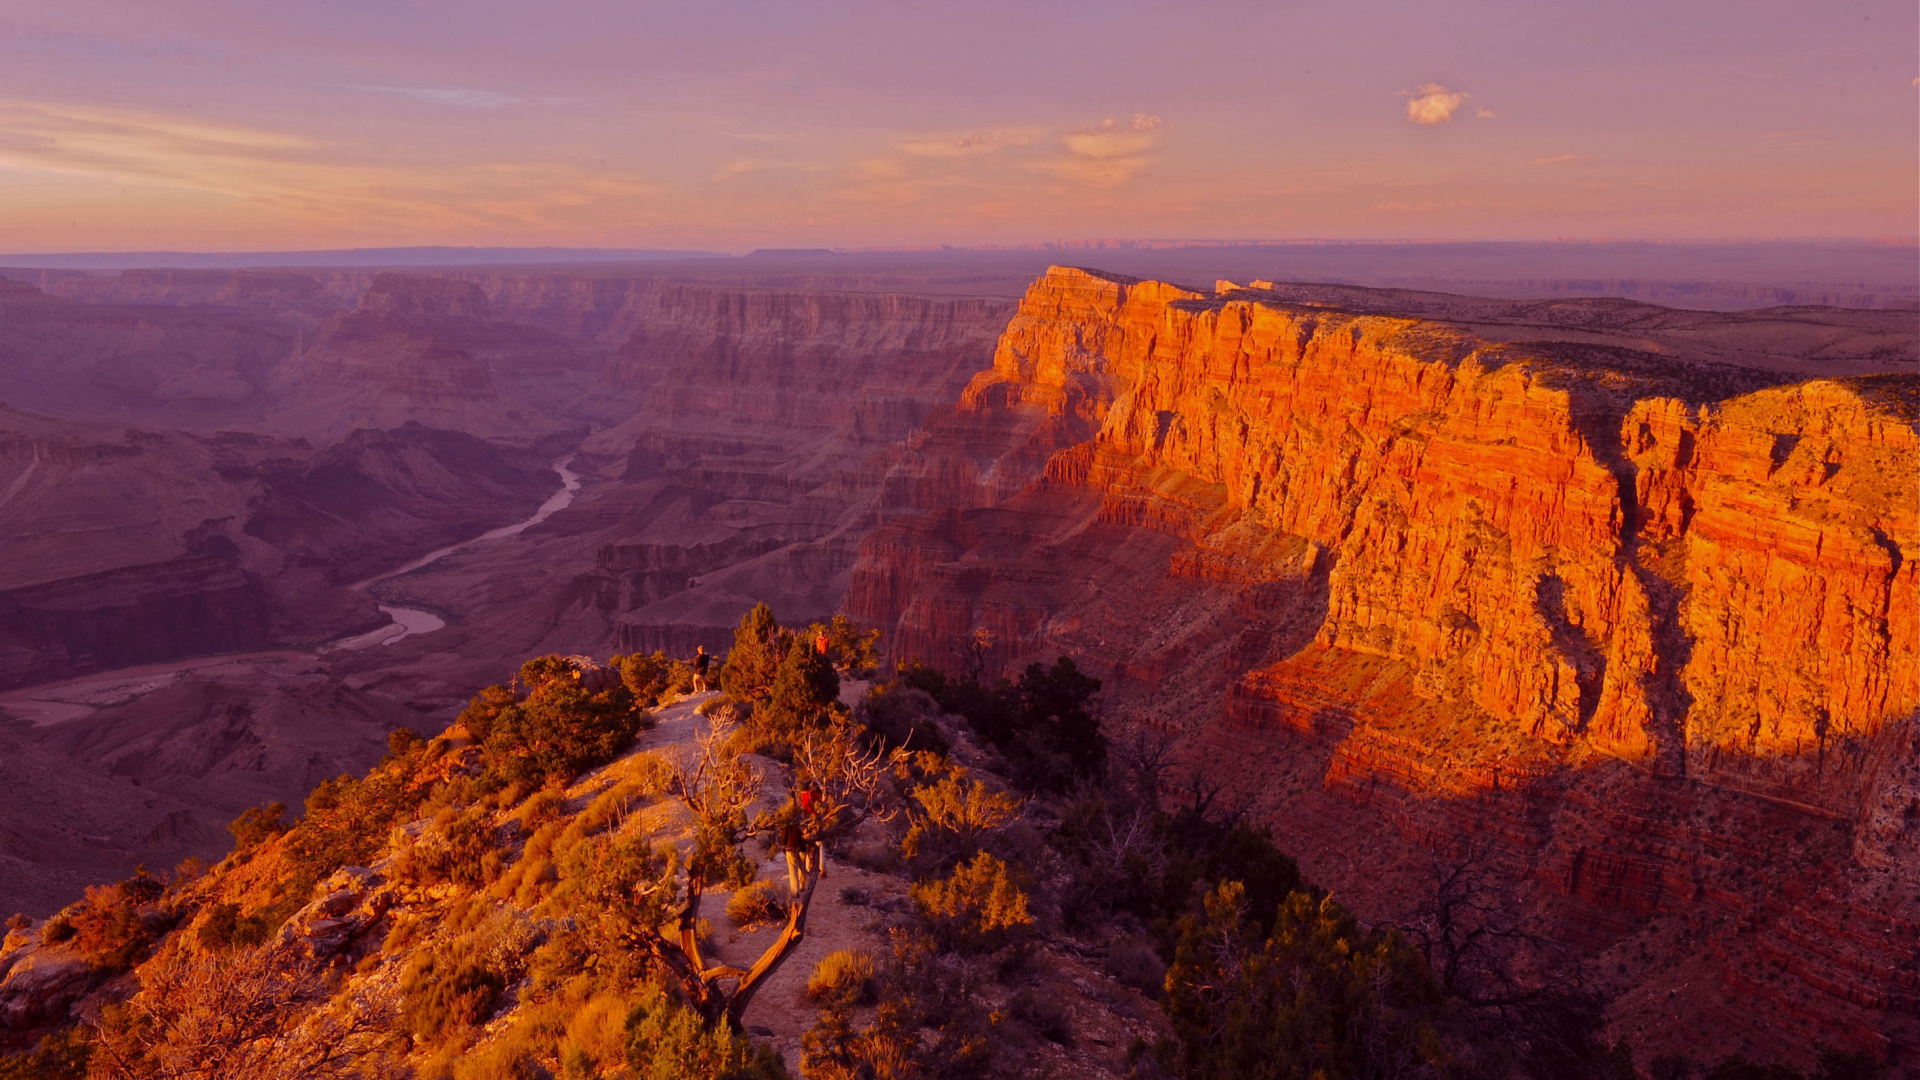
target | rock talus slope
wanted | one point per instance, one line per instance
(1480, 575)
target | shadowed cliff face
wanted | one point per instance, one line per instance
(758, 427)
(127, 545)
(1474, 571)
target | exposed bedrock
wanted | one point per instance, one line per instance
(427, 349)
(124, 545)
(130, 615)
(1596, 602)
(179, 366)
(765, 421)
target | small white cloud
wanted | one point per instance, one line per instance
(1434, 104)
(1557, 159)
(1486, 114)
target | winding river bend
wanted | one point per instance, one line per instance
(71, 699)
(408, 622)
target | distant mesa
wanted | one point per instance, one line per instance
(788, 253)
(359, 257)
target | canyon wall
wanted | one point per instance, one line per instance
(764, 427)
(1482, 574)
(124, 545)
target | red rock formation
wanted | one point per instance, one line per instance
(1475, 569)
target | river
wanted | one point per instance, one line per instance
(409, 622)
(53, 703)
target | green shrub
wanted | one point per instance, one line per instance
(756, 903)
(258, 825)
(668, 1041)
(347, 823)
(547, 804)
(559, 959)
(981, 907)
(217, 927)
(186, 870)
(650, 679)
(443, 996)
(1317, 997)
(568, 720)
(848, 646)
(927, 1022)
(62, 1055)
(900, 715)
(805, 693)
(1158, 872)
(954, 816)
(401, 743)
(845, 977)
(595, 1042)
(107, 926)
(1046, 725)
(759, 646)
(457, 846)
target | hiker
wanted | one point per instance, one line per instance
(804, 855)
(700, 663)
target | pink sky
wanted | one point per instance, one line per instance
(211, 125)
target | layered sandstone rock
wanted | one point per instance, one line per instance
(425, 349)
(185, 367)
(764, 423)
(1504, 523)
(1476, 568)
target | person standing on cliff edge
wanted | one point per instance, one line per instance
(701, 661)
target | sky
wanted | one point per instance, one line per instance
(216, 125)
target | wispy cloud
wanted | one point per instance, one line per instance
(1434, 104)
(300, 177)
(1557, 159)
(745, 166)
(1006, 167)
(1485, 114)
(969, 143)
(1110, 153)
(454, 96)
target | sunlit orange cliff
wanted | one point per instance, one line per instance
(1646, 619)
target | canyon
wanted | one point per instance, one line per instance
(1621, 597)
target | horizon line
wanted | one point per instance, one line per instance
(450, 254)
